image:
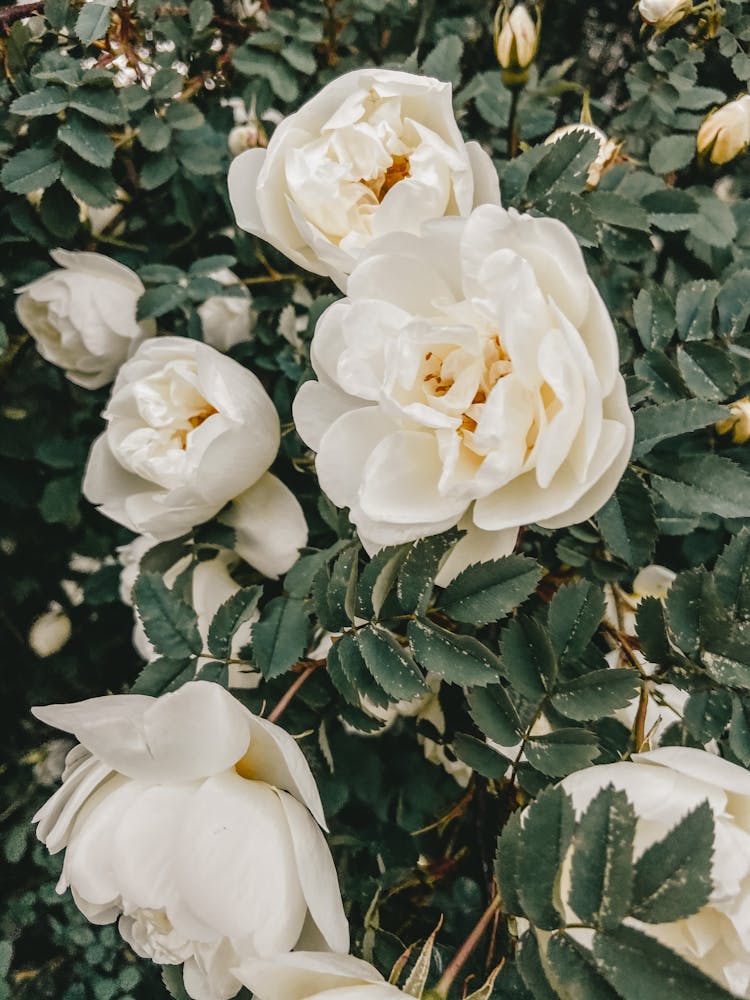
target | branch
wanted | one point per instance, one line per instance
(288, 695)
(10, 14)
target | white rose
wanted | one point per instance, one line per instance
(188, 430)
(725, 133)
(82, 316)
(663, 786)
(376, 151)
(227, 319)
(664, 14)
(313, 976)
(605, 157)
(471, 377)
(196, 824)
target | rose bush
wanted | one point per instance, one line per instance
(188, 430)
(374, 152)
(457, 406)
(157, 797)
(82, 316)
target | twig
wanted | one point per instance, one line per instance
(10, 14)
(286, 698)
(455, 966)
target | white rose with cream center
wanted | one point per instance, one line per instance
(197, 826)
(376, 151)
(470, 378)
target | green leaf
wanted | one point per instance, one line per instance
(160, 300)
(56, 12)
(94, 186)
(170, 624)
(479, 756)
(618, 211)
(495, 714)
(673, 876)
(715, 223)
(670, 153)
(733, 302)
(339, 677)
(654, 424)
(692, 606)
(739, 728)
(184, 116)
(561, 752)
(707, 370)
(157, 170)
(488, 591)
(596, 694)
(300, 58)
(444, 62)
(628, 523)
(653, 312)
(166, 83)
(160, 274)
(574, 616)
(574, 971)
(564, 165)
(458, 659)
(172, 974)
(532, 970)
(709, 484)
(507, 863)
(154, 134)
(85, 139)
(359, 677)
(640, 968)
(251, 62)
(280, 636)
(162, 675)
(601, 873)
(420, 567)
(93, 21)
(547, 830)
(100, 103)
(47, 101)
(732, 576)
(234, 612)
(706, 714)
(390, 664)
(378, 579)
(59, 212)
(30, 170)
(671, 209)
(694, 309)
(200, 13)
(528, 659)
(59, 500)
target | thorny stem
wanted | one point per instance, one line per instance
(459, 960)
(513, 124)
(291, 692)
(639, 727)
(10, 14)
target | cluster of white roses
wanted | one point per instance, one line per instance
(469, 377)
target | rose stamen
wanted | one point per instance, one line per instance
(196, 420)
(382, 184)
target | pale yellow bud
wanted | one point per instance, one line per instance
(726, 132)
(50, 631)
(516, 41)
(663, 14)
(608, 149)
(738, 424)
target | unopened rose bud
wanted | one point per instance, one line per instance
(725, 133)
(738, 424)
(516, 42)
(608, 149)
(663, 14)
(247, 136)
(50, 631)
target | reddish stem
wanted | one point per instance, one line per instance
(286, 698)
(453, 969)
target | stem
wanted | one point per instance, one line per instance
(639, 727)
(513, 124)
(10, 14)
(446, 980)
(286, 698)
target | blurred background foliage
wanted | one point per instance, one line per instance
(668, 251)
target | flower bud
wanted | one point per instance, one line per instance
(516, 42)
(738, 424)
(50, 631)
(247, 136)
(605, 158)
(663, 14)
(725, 133)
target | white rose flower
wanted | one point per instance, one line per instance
(82, 316)
(227, 320)
(663, 14)
(725, 133)
(196, 824)
(376, 151)
(471, 377)
(188, 430)
(312, 976)
(663, 786)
